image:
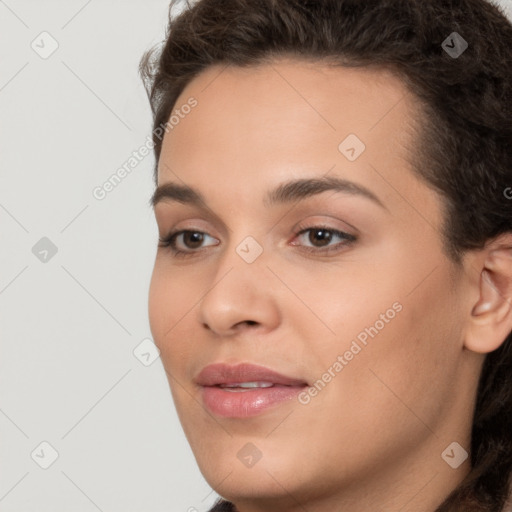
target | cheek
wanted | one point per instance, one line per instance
(400, 334)
(410, 364)
(170, 302)
(158, 307)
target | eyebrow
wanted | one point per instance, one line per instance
(284, 193)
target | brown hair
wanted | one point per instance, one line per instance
(464, 140)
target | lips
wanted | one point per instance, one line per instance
(221, 374)
(223, 392)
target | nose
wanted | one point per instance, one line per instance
(241, 296)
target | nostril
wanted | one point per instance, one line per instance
(246, 322)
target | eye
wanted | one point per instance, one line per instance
(321, 237)
(190, 242)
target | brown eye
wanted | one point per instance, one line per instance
(185, 242)
(320, 237)
(323, 236)
(192, 239)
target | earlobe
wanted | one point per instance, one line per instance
(491, 316)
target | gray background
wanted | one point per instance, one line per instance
(70, 324)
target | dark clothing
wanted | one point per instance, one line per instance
(223, 506)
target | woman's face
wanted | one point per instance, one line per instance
(340, 285)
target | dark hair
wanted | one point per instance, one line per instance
(463, 146)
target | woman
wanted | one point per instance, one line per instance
(332, 292)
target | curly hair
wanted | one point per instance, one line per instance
(463, 146)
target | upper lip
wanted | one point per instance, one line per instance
(220, 373)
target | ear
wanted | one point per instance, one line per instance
(491, 316)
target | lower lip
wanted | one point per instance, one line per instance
(243, 404)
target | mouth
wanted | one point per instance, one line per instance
(246, 386)
(244, 375)
(245, 390)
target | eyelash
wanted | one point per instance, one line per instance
(169, 242)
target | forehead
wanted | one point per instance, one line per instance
(363, 93)
(255, 128)
(260, 125)
(287, 103)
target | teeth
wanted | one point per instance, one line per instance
(248, 385)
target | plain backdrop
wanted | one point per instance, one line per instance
(70, 321)
(86, 423)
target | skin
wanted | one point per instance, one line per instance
(372, 439)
